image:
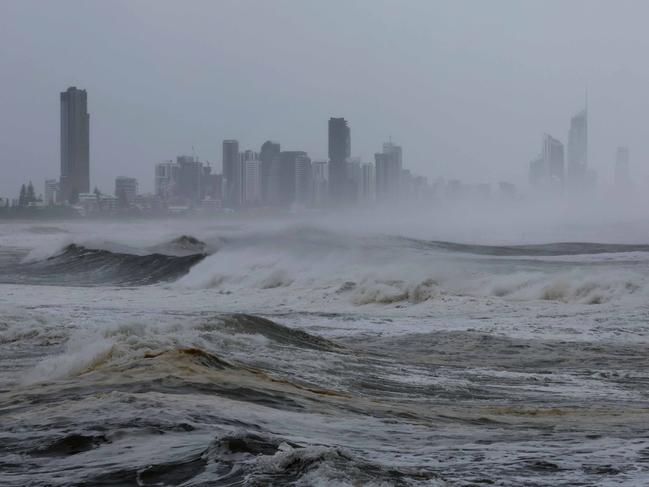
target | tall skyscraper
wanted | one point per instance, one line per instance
(211, 186)
(166, 179)
(553, 155)
(303, 180)
(367, 190)
(537, 172)
(320, 177)
(188, 179)
(287, 161)
(250, 178)
(353, 176)
(389, 165)
(622, 177)
(231, 172)
(268, 158)
(576, 174)
(75, 144)
(339, 152)
(547, 171)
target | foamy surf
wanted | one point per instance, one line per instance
(361, 359)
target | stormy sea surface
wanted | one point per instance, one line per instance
(288, 353)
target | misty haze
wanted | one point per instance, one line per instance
(324, 243)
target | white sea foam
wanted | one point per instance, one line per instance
(389, 406)
(47, 248)
(357, 270)
(91, 345)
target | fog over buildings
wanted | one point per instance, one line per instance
(466, 88)
(324, 242)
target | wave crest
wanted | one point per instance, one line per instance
(78, 265)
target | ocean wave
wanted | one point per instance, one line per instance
(312, 268)
(575, 286)
(245, 458)
(554, 249)
(375, 291)
(249, 324)
(309, 266)
(175, 345)
(183, 245)
(268, 460)
(79, 265)
(321, 282)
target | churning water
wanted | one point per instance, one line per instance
(288, 354)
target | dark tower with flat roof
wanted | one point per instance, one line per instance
(75, 144)
(339, 152)
(232, 172)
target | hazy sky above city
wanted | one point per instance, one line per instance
(467, 87)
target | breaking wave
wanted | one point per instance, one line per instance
(183, 245)
(246, 458)
(202, 342)
(82, 266)
(268, 460)
(312, 269)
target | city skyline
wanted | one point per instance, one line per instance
(434, 107)
(285, 179)
(576, 175)
(324, 242)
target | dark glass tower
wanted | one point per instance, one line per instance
(269, 172)
(232, 172)
(75, 144)
(339, 152)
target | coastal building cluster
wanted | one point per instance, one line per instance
(289, 179)
(557, 168)
(270, 178)
(273, 178)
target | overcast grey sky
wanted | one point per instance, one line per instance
(467, 87)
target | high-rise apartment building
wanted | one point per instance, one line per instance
(286, 177)
(353, 176)
(232, 172)
(320, 176)
(188, 180)
(268, 158)
(211, 185)
(75, 144)
(251, 182)
(303, 181)
(339, 152)
(553, 155)
(547, 170)
(576, 173)
(166, 175)
(388, 166)
(367, 189)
